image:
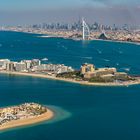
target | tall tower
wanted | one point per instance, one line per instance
(86, 32)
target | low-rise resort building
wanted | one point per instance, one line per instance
(87, 73)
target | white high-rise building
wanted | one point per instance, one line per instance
(86, 31)
(3, 63)
(10, 66)
(28, 63)
(20, 66)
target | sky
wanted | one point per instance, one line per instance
(16, 12)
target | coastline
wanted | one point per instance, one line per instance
(74, 39)
(86, 83)
(45, 35)
(118, 41)
(29, 121)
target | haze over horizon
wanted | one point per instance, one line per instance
(103, 11)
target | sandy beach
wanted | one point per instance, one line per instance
(29, 121)
(127, 83)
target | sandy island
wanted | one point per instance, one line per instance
(127, 83)
(29, 121)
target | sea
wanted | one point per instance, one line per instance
(81, 112)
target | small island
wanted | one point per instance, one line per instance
(24, 114)
(88, 74)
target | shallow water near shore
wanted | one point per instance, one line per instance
(59, 115)
(99, 113)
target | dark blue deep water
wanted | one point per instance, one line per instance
(97, 113)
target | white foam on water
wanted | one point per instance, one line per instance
(45, 36)
(100, 52)
(64, 47)
(106, 60)
(120, 52)
(138, 44)
(126, 69)
(45, 59)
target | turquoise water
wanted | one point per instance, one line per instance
(91, 113)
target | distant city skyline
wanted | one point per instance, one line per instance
(38, 11)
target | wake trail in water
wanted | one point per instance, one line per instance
(106, 60)
(87, 58)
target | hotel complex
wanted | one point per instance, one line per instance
(33, 66)
(24, 111)
(106, 74)
(88, 72)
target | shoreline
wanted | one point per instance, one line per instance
(29, 121)
(75, 39)
(118, 41)
(86, 83)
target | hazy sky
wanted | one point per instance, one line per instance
(38, 11)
